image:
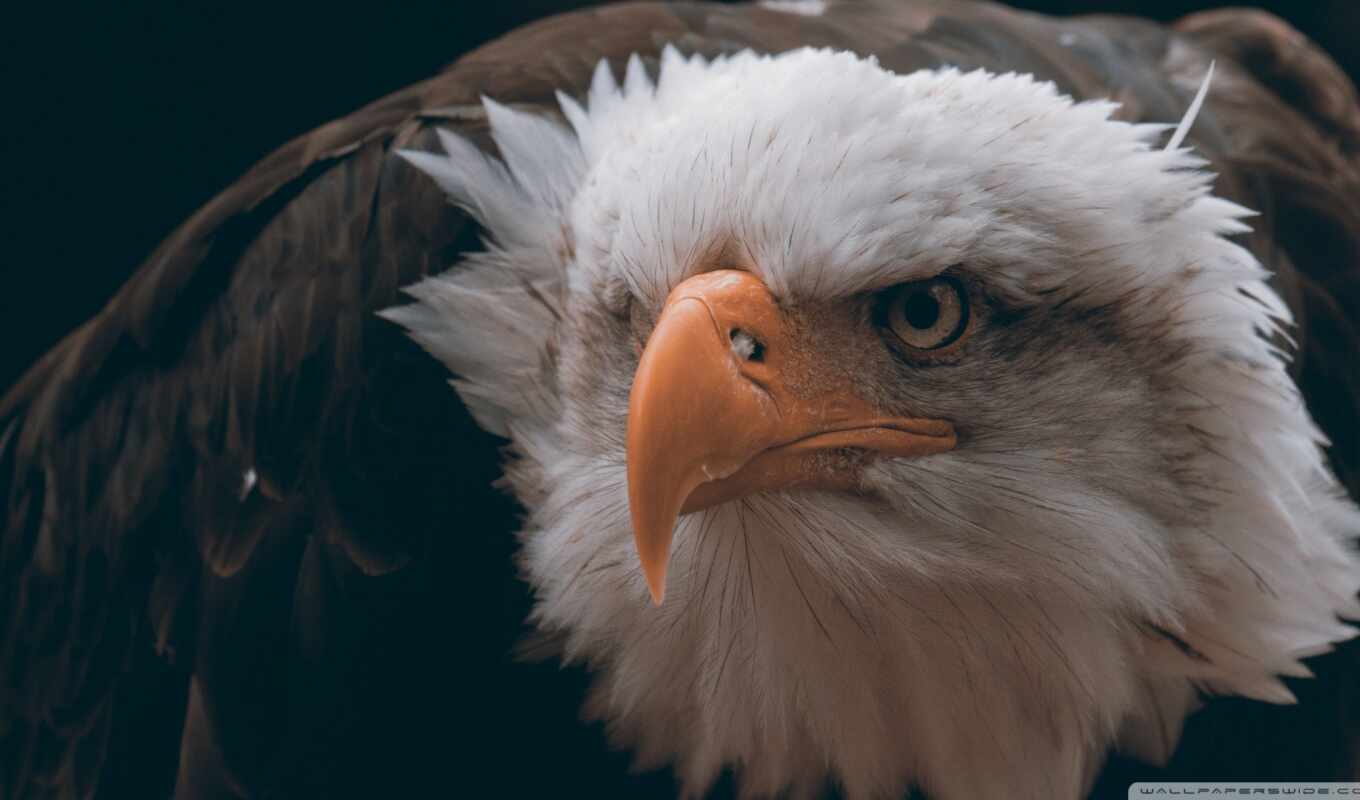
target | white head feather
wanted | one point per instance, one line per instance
(1138, 510)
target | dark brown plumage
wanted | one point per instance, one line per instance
(340, 627)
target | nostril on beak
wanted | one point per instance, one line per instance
(746, 346)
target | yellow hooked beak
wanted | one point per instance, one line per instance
(725, 404)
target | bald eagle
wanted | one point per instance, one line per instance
(879, 397)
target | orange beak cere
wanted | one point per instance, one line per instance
(726, 403)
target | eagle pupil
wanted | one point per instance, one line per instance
(921, 311)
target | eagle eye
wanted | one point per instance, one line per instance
(929, 314)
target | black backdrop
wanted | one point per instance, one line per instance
(118, 120)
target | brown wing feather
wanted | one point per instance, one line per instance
(322, 611)
(245, 342)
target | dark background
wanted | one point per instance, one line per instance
(119, 120)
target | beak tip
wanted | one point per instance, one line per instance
(656, 581)
(653, 541)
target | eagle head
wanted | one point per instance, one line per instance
(888, 429)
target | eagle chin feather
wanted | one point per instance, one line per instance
(1072, 581)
